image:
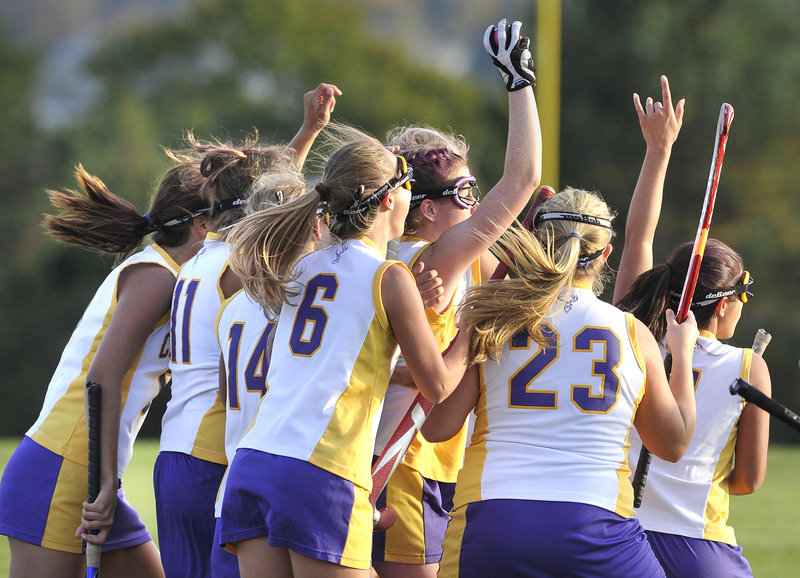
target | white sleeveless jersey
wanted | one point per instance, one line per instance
(437, 461)
(553, 423)
(194, 421)
(243, 335)
(690, 497)
(330, 363)
(61, 426)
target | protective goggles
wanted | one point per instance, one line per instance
(741, 290)
(361, 203)
(464, 192)
(404, 180)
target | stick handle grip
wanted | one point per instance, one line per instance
(757, 397)
(761, 341)
(94, 404)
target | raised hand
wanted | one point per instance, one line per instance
(318, 105)
(659, 121)
(511, 54)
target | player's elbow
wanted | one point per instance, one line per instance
(742, 485)
(673, 452)
(435, 432)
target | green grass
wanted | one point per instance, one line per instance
(764, 522)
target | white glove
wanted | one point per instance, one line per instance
(510, 53)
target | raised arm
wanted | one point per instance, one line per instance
(463, 243)
(318, 105)
(660, 125)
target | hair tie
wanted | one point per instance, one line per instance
(279, 194)
(576, 235)
(152, 227)
(670, 267)
(323, 192)
(586, 260)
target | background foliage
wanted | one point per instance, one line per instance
(224, 69)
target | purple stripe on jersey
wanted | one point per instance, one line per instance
(682, 556)
(298, 505)
(539, 538)
(436, 501)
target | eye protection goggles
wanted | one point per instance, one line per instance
(464, 191)
(404, 180)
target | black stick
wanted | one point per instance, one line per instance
(757, 397)
(94, 402)
(643, 465)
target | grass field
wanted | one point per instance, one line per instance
(764, 522)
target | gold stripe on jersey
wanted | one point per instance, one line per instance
(449, 566)
(368, 381)
(468, 488)
(209, 444)
(358, 547)
(404, 494)
(690, 497)
(75, 445)
(439, 461)
(747, 360)
(64, 516)
(61, 426)
(634, 339)
(718, 504)
(625, 495)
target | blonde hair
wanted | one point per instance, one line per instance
(267, 244)
(418, 136)
(276, 210)
(542, 262)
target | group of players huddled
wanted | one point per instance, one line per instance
(297, 321)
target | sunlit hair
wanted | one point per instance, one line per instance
(434, 169)
(229, 171)
(658, 289)
(267, 244)
(542, 263)
(411, 137)
(257, 241)
(97, 219)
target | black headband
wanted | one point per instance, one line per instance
(566, 216)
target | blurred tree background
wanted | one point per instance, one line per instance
(225, 69)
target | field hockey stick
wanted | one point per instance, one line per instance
(412, 421)
(720, 142)
(94, 397)
(756, 397)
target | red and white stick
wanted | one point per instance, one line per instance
(720, 142)
(413, 419)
